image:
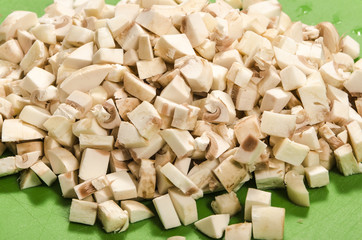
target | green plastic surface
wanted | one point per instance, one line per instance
(335, 212)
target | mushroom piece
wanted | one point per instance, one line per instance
(172, 47)
(44, 173)
(270, 176)
(83, 212)
(330, 36)
(290, 152)
(17, 20)
(27, 160)
(96, 141)
(219, 108)
(60, 128)
(147, 179)
(213, 226)
(317, 176)
(136, 210)
(185, 206)
(67, 182)
(277, 124)
(112, 216)
(14, 130)
(297, 192)
(230, 173)
(255, 197)
(79, 58)
(196, 71)
(94, 164)
(166, 211)
(35, 57)
(11, 51)
(28, 179)
(268, 217)
(146, 119)
(122, 185)
(93, 75)
(227, 203)
(216, 147)
(8, 165)
(106, 114)
(346, 162)
(355, 136)
(181, 181)
(62, 160)
(239, 230)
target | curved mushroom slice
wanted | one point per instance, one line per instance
(62, 161)
(330, 36)
(14, 130)
(216, 147)
(219, 108)
(40, 97)
(107, 115)
(27, 160)
(297, 192)
(35, 57)
(174, 46)
(18, 20)
(86, 78)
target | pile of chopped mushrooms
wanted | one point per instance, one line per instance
(170, 100)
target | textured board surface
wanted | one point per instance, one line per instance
(41, 213)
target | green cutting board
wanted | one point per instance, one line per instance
(335, 212)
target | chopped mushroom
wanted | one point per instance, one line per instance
(170, 100)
